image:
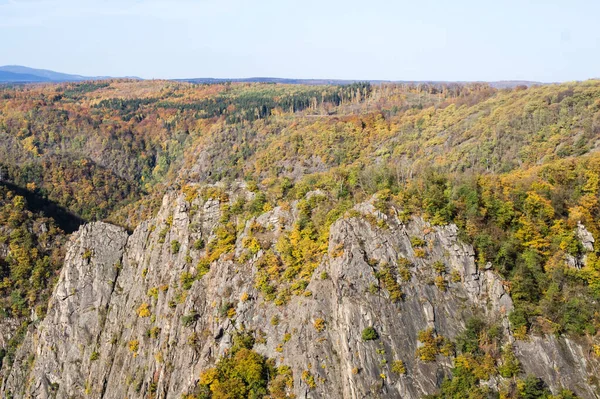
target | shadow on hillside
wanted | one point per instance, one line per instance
(66, 220)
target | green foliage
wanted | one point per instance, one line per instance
(417, 242)
(223, 243)
(468, 340)
(439, 267)
(198, 244)
(154, 332)
(479, 362)
(398, 367)
(533, 388)
(108, 150)
(203, 267)
(243, 373)
(510, 366)
(433, 345)
(189, 319)
(287, 270)
(387, 278)
(369, 334)
(87, 255)
(153, 292)
(35, 253)
(462, 385)
(187, 280)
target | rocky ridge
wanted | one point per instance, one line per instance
(120, 324)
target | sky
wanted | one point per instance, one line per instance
(460, 40)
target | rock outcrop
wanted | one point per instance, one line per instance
(120, 324)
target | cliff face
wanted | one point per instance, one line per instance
(120, 324)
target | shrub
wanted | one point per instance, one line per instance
(94, 356)
(455, 276)
(244, 373)
(144, 310)
(432, 345)
(308, 378)
(198, 244)
(420, 253)
(190, 193)
(87, 255)
(398, 367)
(190, 319)
(417, 242)
(319, 325)
(187, 280)
(439, 267)
(203, 267)
(369, 334)
(153, 292)
(404, 274)
(519, 323)
(252, 244)
(373, 289)
(387, 277)
(154, 332)
(134, 345)
(441, 283)
(162, 235)
(175, 246)
(338, 250)
(533, 388)
(403, 262)
(510, 365)
(193, 340)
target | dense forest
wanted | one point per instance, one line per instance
(517, 170)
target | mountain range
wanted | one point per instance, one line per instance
(22, 74)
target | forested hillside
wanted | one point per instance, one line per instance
(517, 170)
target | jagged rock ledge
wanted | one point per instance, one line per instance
(96, 342)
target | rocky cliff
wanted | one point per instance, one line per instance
(123, 323)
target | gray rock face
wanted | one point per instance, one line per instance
(59, 351)
(554, 360)
(121, 325)
(587, 239)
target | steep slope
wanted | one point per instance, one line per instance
(516, 171)
(133, 317)
(31, 245)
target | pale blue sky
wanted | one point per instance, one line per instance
(547, 40)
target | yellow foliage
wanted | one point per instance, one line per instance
(319, 325)
(144, 310)
(134, 345)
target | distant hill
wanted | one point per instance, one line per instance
(498, 84)
(11, 77)
(22, 74)
(44, 75)
(309, 82)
